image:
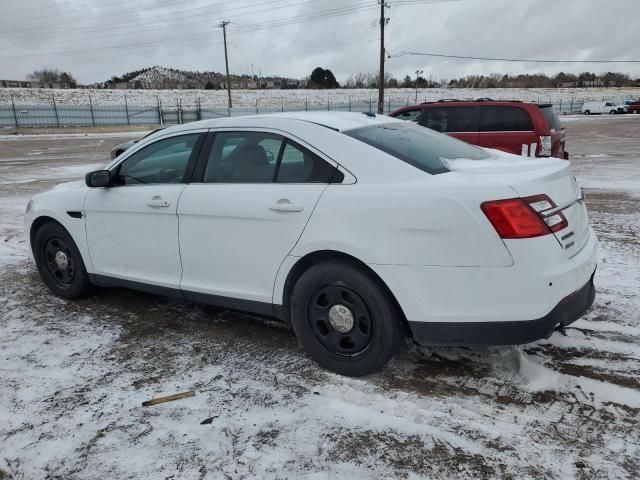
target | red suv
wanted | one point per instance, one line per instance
(515, 127)
(634, 107)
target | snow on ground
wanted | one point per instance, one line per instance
(315, 98)
(73, 374)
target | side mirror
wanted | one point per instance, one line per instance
(98, 179)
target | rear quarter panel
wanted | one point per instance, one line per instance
(435, 223)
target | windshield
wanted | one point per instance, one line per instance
(418, 146)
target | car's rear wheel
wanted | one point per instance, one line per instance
(613, 112)
(345, 319)
(587, 112)
(59, 262)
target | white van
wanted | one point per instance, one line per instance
(599, 107)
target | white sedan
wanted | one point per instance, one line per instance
(358, 229)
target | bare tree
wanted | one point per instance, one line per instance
(53, 75)
(46, 75)
(361, 80)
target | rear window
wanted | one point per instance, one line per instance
(505, 119)
(417, 146)
(552, 118)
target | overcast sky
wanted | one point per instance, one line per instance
(95, 39)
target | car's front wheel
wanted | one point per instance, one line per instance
(587, 112)
(345, 319)
(59, 261)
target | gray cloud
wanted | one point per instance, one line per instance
(95, 39)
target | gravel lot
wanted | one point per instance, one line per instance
(73, 374)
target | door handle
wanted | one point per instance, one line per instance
(284, 205)
(157, 202)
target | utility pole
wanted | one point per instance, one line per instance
(223, 25)
(418, 73)
(383, 22)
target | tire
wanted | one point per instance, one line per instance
(59, 262)
(613, 112)
(587, 112)
(377, 329)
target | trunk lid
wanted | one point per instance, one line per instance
(529, 177)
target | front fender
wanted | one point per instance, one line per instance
(65, 208)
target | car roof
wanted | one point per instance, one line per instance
(339, 121)
(477, 102)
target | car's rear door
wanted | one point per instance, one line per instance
(460, 122)
(507, 128)
(255, 194)
(132, 227)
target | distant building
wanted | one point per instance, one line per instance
(30, 84)
(594, 83)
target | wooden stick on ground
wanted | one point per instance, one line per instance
(168, 398)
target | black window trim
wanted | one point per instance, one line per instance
(191, 162)
(200, 164)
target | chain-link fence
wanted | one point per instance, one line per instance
(91, 114)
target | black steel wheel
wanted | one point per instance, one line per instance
(340, 320)
(345, 318)
(59, 261)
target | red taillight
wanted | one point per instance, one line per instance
(514, 218)
(524, 217)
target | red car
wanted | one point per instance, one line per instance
(516, 127)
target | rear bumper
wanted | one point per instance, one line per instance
(566, 312)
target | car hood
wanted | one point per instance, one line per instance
(75, 185)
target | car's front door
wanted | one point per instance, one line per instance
(132, 226)
(256, 194)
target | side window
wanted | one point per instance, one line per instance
(164, 161)
(505, 119)
(450, 119)
(410, 115)
(243, 157)
(299, 165)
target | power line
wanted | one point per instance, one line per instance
(498, 59)
(322, 14)
(272, 24)
(182, 14)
